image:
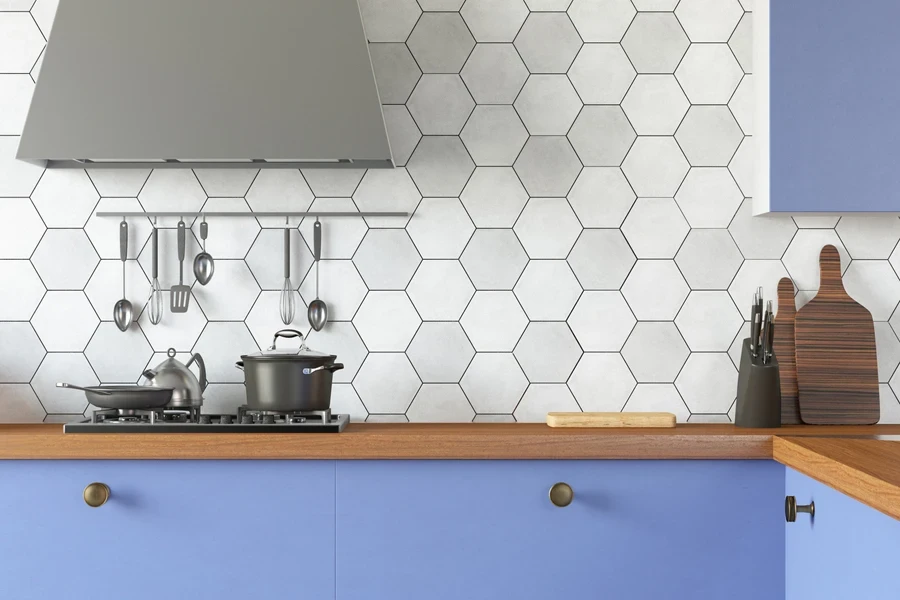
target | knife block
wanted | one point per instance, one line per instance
(758, 392)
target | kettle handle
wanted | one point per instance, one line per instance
(202, 365)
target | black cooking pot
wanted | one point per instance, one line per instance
(288, 380)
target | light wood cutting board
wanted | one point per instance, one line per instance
(610, 419)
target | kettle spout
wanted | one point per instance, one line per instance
(149, 374)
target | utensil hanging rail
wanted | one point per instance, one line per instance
(106, 213)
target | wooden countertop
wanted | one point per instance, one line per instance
(857, 461)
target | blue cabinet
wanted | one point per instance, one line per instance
(641, 530)
(846, 551)
(171, 529)
(833, 93)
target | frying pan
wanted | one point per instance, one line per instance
(126, 397)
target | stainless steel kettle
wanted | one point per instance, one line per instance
(172, 373)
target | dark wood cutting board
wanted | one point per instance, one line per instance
(784, 347)
(837, 369)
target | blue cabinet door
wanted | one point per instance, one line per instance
(834, 91)
(202, 530)
(636, 530)
(846, 551)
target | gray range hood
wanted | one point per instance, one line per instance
(206, 83)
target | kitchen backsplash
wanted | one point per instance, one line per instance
(579, 173)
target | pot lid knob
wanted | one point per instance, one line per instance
(171, 353)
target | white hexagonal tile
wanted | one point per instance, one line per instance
(221, 344)
(345, 401)
(441, 5)
(494, 383)
(548, 5)
(656, 397)
(704, 418)
(655, 352)
(494, 74)
(20, 405)
(601, 197)
(601, 321)
(440, 166)
(548, 290)
(655, 43)
(66, 197)
(548, 42)
(119, 183)
(548, 228)
(655, 5)
(601, 259)
(816, 221)
(440, 403)
(342, 340)
(708, 259)
(601, 136)
(265, 257)
(440, 42)
(709, 21)
(276, 190)
(548, 105)
(742, 166)
(548, 352)
(548, 166)
(601, 371)
(225, 398)
(387, 259)
(20, 42)
(709, 197)
(440, 352)
(383, 394)
(441, 228)
(494, 20)
(17, 177)
(333, 183)
(21, 228)
(14, 101)
(655, 228)
(601, 20)
(389, 20)
(708, 321)
(340, 236)
(494, 197)
(440, 104)
(869, 237)
(888, 347)
(736, 348)
(63, 366)
(655, 105)
(762, 237)
(754, 274)
(541, 398)
(23, 352)
(890, 408)
(709, 136)
(494, 321)
(440, 290)
(655, 290)
(104, 288)
(655, 167)
(494, 135)
(387, 190)
(741, 42)
(174, 190)
(873, 284)
(264, 320)
(227, 238)
(118, 357)
(230, 294)
(709, 73)
(65, 321)
(224, 183)
(708, 382)
(104, 231)
(65, 259)
(802, 257)
(175, 330)
(601, 73)
(18, 302)
(44, 12)
(387, 321)
(403, 133)
(743, 104)
(340, 286)
(494, 259)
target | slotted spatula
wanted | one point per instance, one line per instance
(181, 294)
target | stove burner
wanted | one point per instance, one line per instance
(150, 415)
(271, 417)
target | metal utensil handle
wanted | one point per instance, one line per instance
(317, 240)
(204, 231)
(181, 242)
(154, 237)
(123, 240)
(83, 389)
(287, 253)
(331, 368)
(286, 333)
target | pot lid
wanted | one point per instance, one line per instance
(302, 352)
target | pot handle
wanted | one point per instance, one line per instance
(286, 333)
(329, 368)
(239, 364)
(202, 365)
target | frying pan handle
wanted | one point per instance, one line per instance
(286, 333)
(78, 387)
(196, 358)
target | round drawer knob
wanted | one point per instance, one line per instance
(561, 494)
(791, 508)
(96, 494)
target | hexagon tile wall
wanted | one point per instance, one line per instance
(579, 172)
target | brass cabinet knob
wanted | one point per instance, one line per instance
(96, 494)
(791, 508)
(561, 494)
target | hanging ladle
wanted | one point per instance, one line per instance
(318, 310)
(204, 265)
(122, 311)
